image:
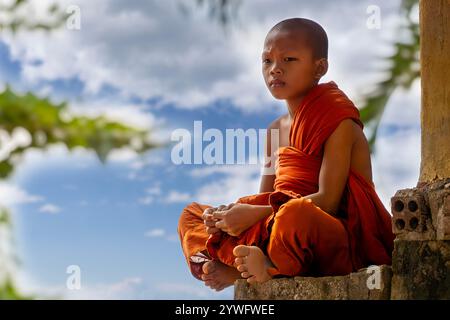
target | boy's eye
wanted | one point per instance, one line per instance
(266, 60)
(290, 59)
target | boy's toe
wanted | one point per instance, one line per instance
(252, 279)
(241, 251)
(239, 261)
(211, 283)
(206, 277)
(242, 268)
(208, 267)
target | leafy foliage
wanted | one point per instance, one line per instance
(50, 124)
(222, 10)
(7, 288)
(15, 17)
(404, 69)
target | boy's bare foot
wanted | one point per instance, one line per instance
(252, 262)
(218, 276)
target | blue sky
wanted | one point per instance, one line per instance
(147, 64)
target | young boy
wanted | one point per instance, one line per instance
(319, 214)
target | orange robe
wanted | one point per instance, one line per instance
(299, 237)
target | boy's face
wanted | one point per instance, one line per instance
(288, 65)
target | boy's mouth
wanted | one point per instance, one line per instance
(277, 83)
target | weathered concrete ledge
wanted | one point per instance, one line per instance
(366, 284)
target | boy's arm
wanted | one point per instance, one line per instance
(268, 179)
(335, 167)
(267, 182)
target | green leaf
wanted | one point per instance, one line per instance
(403, 72)
(41, 118)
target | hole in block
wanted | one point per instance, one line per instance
(413, 223)
(400, 224)
(399, 206)
(412, 206)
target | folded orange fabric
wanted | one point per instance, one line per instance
(362, 226)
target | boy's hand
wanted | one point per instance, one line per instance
(236, 219)
(210, 221)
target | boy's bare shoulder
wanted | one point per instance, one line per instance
(279, 122)
(283, 125)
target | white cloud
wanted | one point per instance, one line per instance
(138, 176)
(122, 155)
(146, 200)
(8, 265)
(133, 287)
(150, 160)
(156, 190)
(131, 114)
(14, 195)
(34, 160)
(189, 291)
(151, 193)
(154, 233)
(161, 233)
(167, 55)
(128, 288)
(19, 138)
(56, 153)
(238, 181)
(396, 162)
(176, 196)
(50, 208)
(403, 108)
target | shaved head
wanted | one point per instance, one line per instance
(313, 34)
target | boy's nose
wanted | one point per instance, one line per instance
(275, 69)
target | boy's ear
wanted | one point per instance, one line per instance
(321, 67)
